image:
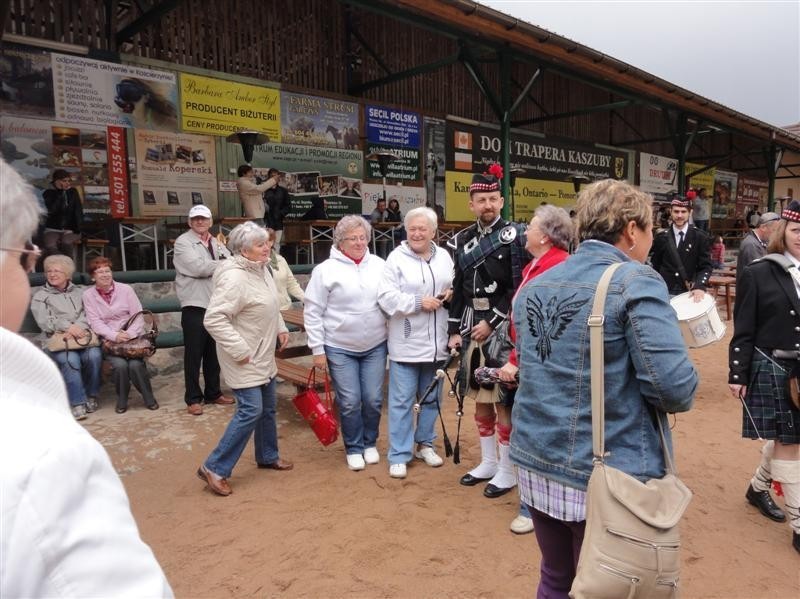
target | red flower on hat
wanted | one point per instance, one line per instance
(691, 194)
(496, 170)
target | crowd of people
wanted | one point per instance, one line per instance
(509, 300)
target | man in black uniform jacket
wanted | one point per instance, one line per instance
(278, 205)
(489, 256)
(682, 253)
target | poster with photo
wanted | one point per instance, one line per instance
(170, 180)
(105, 93)
(724, 202)
(751, 192)
(37, 147)
(317, 121)
(433, 148)
(26, 74)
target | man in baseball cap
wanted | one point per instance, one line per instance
(197, 255)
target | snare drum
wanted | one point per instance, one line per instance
(700, 322)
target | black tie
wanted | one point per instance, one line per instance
(680, 243)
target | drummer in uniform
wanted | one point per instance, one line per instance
(681, 253)
(489, 257)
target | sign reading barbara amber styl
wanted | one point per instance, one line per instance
(221, 107)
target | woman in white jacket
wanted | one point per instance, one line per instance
(244, 319)
(417, 279)
(347, 334)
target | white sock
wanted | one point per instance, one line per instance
(488, 466)
(762, 479)
(787, 472)
(506, 477)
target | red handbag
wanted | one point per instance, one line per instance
(317, 413)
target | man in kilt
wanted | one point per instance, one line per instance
(764, 354)
(489, 257)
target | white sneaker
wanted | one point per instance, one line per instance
(397, 470)
(429, 455)
(355, 461)
(521, 525)
(371, 455)
(79, 412)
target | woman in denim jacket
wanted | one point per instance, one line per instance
(647, 372)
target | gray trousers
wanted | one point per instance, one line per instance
(127, 371)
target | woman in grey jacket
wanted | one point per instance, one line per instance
(58, 310)
(417, 279)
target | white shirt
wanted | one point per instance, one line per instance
(66, 528)
(677, 232)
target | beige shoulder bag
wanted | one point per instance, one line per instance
(631, 543)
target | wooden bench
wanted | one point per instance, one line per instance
(295, 373)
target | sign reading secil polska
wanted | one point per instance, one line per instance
(392, 126)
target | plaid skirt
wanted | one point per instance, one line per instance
(771, 414)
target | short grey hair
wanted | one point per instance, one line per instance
(347, 224)
(60, 260)
(245, 236)
(19, 209)
(557, 225)
(422, 211)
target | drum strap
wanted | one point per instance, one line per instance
(678, 262)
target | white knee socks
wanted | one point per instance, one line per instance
(488, 466)
(787, 472)
(505, 477)
(762, 479)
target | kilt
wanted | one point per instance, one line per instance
(774, 416)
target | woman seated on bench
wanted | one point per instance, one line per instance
(109, 305)
(58, 310)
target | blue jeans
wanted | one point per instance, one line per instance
(407, 382)
(80, 370)
(358, 382)
(255, 412)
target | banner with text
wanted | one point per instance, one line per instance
(658, 175)
(221, 107)
(106, 93)
(407, 197)
(318, 121)
(472, 148)
(35, 148)
(174, 172)
(392, 126)
(404, 167)
(704, 179)
(751, 192)
(434, 132)
(27, 81)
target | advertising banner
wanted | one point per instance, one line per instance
(221, 107)
(405, 166)
(174, 172)
(751, 192)
(658, 175)
(434, 131)
(704, 179)
(472, 148)
(392, 126)
(318, 121)
(119, 200)
(35, 148)
(314, 175)
(106, 93)
(724, 195)
(27, 81)
(407, 197)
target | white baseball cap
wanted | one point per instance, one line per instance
(200, 210)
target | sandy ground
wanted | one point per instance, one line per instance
(323, 531)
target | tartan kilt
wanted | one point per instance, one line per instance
(773, 413)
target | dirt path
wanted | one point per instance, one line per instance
(323, 531)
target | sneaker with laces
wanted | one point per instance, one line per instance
(79, 411)
(429, 455)
(371, 455)
(397, 470)
(355, 461)
(91, 404)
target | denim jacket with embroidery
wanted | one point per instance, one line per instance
(646, 366)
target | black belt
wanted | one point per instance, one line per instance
(786, 354)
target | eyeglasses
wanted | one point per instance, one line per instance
(28, 256)
(354, 238)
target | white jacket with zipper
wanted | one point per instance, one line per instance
(415, 335)
(341, 304)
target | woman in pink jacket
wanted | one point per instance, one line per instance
(108, 307)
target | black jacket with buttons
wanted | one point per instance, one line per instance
(696, 258)
(766, 316)
(64, 210)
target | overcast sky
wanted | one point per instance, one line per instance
(745, 55)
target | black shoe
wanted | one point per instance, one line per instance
(121, 410)
(470, 481)
(492, 492)
(796, 541)
(153, 406)
(765, 504)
